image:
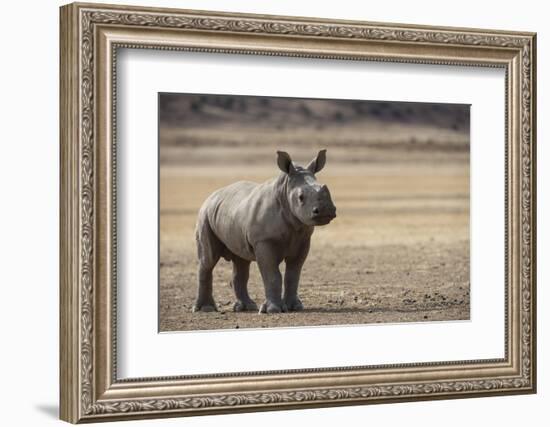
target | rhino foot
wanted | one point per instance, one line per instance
(271, 307)
(294, 304)
(207, 307)
(245, 306)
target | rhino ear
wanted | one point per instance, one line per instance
(285, 162)
(318, 163)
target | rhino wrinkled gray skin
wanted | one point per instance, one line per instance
(268, 223)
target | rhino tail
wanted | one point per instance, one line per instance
(209, 247)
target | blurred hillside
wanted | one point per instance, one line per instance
(189, 110)
(191, 126)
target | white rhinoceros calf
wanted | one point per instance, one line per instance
(268, 223)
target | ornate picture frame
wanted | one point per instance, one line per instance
(90, 37)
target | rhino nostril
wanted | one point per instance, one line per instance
(315, 211)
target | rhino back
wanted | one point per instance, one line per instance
(227, 212)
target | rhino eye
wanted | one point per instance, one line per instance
(301, 197)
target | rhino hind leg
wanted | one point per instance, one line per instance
(239, 283)
(205, 300)
(209, 250)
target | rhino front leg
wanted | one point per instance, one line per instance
(239, 282)
(268, 263)
(292, 280)
(292, 277)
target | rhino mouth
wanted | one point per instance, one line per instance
(323, 219)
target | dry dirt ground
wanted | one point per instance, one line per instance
(398, 251)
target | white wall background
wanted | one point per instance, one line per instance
(29, 171)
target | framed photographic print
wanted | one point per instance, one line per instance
(266, 212)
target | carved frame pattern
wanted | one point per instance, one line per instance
(79, 399)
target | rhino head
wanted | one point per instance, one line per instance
(307, 199)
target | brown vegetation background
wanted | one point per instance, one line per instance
(398, 174)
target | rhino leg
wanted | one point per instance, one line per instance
(292, 278)
(205, 300)
(239, 282)
(268, 263)
(209, 250)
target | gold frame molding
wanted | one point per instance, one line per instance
(90, 37)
